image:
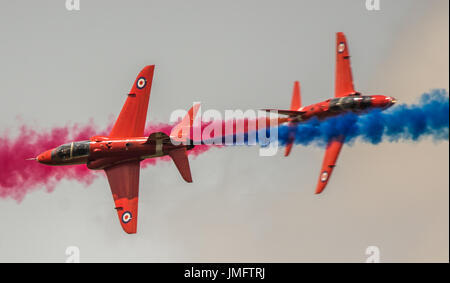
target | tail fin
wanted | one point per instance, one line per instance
(181, 133)
(296, 103)
(179, 157)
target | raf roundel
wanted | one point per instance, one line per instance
(324, 176)
(126, 217)
(341, 47)
(141, 82)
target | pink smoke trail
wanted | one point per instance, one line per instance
(19, 176)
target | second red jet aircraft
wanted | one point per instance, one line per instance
(346, 100)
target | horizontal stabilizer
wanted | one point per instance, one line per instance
(179, 157)
(291, 113)
(296, 103)
(288, 148)
(291, 138)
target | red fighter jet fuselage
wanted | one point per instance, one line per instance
(120, 153)
(355, 103)
(345, 100)
(100, 152)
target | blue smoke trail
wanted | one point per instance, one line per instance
(428, 118)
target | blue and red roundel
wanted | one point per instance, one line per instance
(141, 82)
(126, 217)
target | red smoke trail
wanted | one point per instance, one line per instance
(19, 176)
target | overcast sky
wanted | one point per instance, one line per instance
(59, 66)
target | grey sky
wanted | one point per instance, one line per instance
(59, 66)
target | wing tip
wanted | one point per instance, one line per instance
(319, 189)
(130, 231)
(340, 34)
(149, 67)
(147, 72)
(127, 210)
(129, 228)
(321, 185)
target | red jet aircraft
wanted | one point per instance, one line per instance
(346, 100)
(120, 154)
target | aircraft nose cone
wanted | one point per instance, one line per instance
(393, 100)
(45, 157)
(381, 101)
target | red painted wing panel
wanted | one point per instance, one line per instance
(124, 182)
(131, 120)
(329, 162)
(344, 79)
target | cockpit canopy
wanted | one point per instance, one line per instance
(71, 150)
(351, 103)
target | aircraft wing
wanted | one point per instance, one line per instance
(124, 182)
(131, 120)
(343, 77)
(329, 162)
(343, 87)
